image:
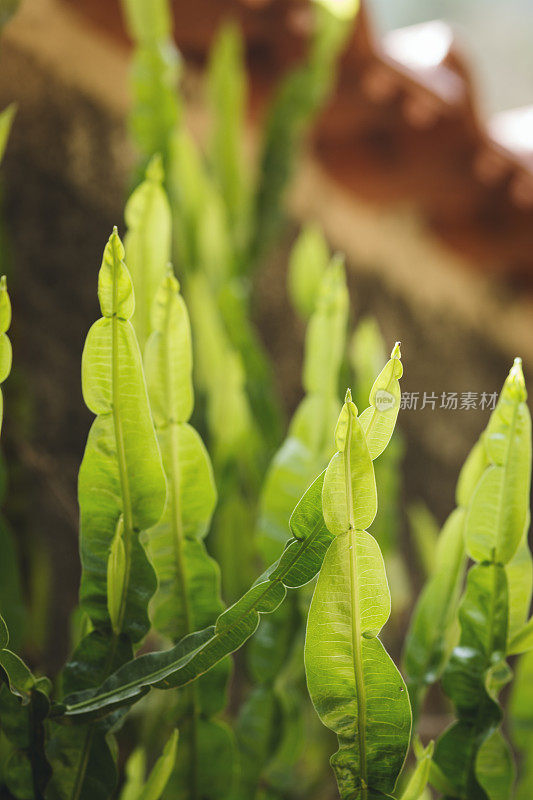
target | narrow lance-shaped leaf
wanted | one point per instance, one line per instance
(155, 72)
(198, 653)
(121, 491)
(188, 596)
(147, 244)
(355, 687)
(121, 480)
(188, 579)
(227, 95)
(472, 753)
(297, 99)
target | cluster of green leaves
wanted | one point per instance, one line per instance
(467, 640)
(223, 223)
(151, 613)
(271, 720)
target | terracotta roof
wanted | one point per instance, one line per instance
(402, 126)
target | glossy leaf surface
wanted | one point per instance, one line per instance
(355, 687)
(121, 476)
(198, 653)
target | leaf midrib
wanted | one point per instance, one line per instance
(119, 440)
(355, 611)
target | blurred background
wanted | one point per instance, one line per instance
(418, 166)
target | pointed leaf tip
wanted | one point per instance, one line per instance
(3, 283)
(348, 396)
(154, 170)
(396, 350)
(516, 381)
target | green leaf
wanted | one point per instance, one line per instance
(215, 772)
(188, 592)
(378, 421)
(196, 654)
(419, 779)
(121, 475)
(17, 675)
(308, 447)
(471, 681)
(298, 98)
(168, 356)
(6, 117)
(188, 596)
(326, 333)
(498, 509)
(148, 21)
(27, 770)
(227, 96)
(521, 723)
(83, 758)
(259, 717)
(5, 344)
(355, 687)
(428, 644)
(189, 192)
(155, 72)
(116, 577)
(147, 244)
(24, 707)
(432, 630)
(495, 767)
(520, 582)
(349, 497)
(4, 634)
(135, 771)
(307, 264)
(161, 771)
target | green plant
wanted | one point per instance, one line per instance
(146, 495)
(151, 616)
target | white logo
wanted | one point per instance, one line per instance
(384, 400)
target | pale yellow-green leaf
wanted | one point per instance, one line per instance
(349, 496)
(116, 578)
(308, 262)
(147, 244)
(115, 290)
